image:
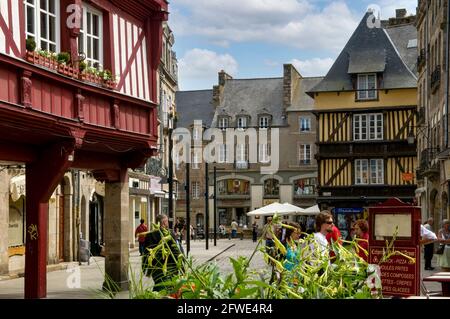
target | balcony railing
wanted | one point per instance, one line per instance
(436, 78)
(427, 164)
(241, 165)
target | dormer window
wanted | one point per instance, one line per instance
(223, 123)
(367, 86)
(242, 122)
(264, 121)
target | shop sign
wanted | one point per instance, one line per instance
(398, 275)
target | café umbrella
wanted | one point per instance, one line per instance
(274, 208)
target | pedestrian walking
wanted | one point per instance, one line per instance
(428, 249)
(140, 235)
(254, 231)
(234, 228)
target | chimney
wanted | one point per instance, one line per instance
(400, 13)
(223, 76)
(218, 89)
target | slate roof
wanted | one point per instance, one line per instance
(300, 100)
(194, 105)
(252, 97)
(402, 35)
(366, 49)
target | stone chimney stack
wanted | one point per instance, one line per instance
(218, 89)
(291, 79)
(400, 13)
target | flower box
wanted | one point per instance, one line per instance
(47, 62)
(109, 84)
(89, 77)
(68, 70)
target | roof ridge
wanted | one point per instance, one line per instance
(179, 91)
(268, 78)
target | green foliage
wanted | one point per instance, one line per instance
(63, 57)
(82, 66)
(312, 277)
(30, 44)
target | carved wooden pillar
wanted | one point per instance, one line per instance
(79, 106)
(27, 86)
(115, 115)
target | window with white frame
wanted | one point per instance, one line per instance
(223, 123)
(195, 160)
(305, 124)
(241, 154)
(304, 154)
(91, 35)
(369, 171)
(222, 153)
(195, 190)
(264, 150)
(42, 23)
(368, 126)
(242, 122)
(367, 86)
(264, 122)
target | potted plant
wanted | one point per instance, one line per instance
(47, 59)
(91, 74)
(64, 65)
(31, 47)
(108, 78)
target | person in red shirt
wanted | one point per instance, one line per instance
(334, 236)
(142, 228)
(362, 234)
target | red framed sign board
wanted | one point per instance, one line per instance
(399, 277)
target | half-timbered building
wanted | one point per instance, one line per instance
(366, 108)
(78, 90)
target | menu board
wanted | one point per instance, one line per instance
(399, 277)
(385, 225)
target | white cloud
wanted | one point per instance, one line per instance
(313, 67)
(295, 23)
(199, 68)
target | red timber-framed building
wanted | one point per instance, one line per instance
(51, 120)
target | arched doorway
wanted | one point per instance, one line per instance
(435, 209)
(96, 224)
(444, 204)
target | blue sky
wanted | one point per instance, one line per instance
(254, 38)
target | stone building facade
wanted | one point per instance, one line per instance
(433, 171)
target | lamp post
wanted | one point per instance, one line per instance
(170, 179)
(215, 206)
(188, 210)
(206, 205)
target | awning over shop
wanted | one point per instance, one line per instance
(17, 187)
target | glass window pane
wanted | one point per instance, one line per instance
(95, 25)
(89, 48)
(89, 25)
(30, 20)
(31, 1)
(52, 6)
(44, 45)
(44, 5)
(52, 47)
(52, 21)
(96, 50)
(44, 29)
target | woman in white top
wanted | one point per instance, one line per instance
(444, 238)
(324, 225)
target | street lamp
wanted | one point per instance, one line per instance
(188, 210)
(170, 125)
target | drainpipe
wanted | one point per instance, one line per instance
(447, 76)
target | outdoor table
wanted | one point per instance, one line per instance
(444, 280)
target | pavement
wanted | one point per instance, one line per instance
(74, 281)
